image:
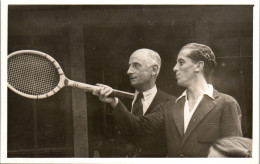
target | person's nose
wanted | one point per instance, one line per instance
(129, 71)
(175, 68)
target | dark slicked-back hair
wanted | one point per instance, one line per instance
(200, 52)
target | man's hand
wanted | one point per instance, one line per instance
(103, 93)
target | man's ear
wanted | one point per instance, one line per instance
(199, 66)
(155, 69)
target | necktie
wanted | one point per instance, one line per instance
(137, 111)
(138, 106)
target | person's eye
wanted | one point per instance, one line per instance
(135, 65)
(181, 63)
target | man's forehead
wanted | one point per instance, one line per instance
(139, 57)
(183, 54)
(140, 54)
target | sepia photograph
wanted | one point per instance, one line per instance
(129, 83)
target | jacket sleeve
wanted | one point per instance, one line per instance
(143, 125)
(230, 123)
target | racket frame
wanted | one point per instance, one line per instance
(56, 65)
(64, 81)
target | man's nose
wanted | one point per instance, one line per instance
(129, 71)
(175, 68)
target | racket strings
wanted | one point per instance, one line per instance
(32, 74)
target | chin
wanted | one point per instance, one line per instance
(181, 84)
(133, 84)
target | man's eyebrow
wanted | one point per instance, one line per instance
(134, 63)
(180, 59)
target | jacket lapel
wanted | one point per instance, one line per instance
(154, 102)
(206, 105)
(178, 115)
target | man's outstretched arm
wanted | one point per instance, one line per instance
(143, 125)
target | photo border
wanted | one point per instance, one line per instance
(4, 35)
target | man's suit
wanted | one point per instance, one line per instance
(213, 119)
(125, 144)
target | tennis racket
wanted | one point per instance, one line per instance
(36, 75)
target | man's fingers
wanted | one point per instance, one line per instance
(96, 91)
(109, 92)
(101, 85)
(105, 90)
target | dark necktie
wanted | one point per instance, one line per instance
(138, 106)
(137, 111)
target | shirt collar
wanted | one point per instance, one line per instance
(147, 93)
(208, 92)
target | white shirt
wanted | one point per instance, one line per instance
(147, 99)
(187, 113)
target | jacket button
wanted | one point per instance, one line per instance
(181, 155)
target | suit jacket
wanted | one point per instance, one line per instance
(125, 143)
(213, 119)
(153, 145)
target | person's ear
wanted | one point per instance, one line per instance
(199, 66)
(155, 69)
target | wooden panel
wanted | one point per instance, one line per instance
(79, 106)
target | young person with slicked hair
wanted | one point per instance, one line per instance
(194, 121)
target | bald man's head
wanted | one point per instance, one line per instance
(144, 67)
(152, 57)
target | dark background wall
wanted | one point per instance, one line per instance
(93, 43)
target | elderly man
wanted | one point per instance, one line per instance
(144, 67)
(197, 118)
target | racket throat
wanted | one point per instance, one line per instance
(71, 83)
(66, 82)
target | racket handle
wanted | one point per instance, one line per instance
(117, 93)
(90, 88)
